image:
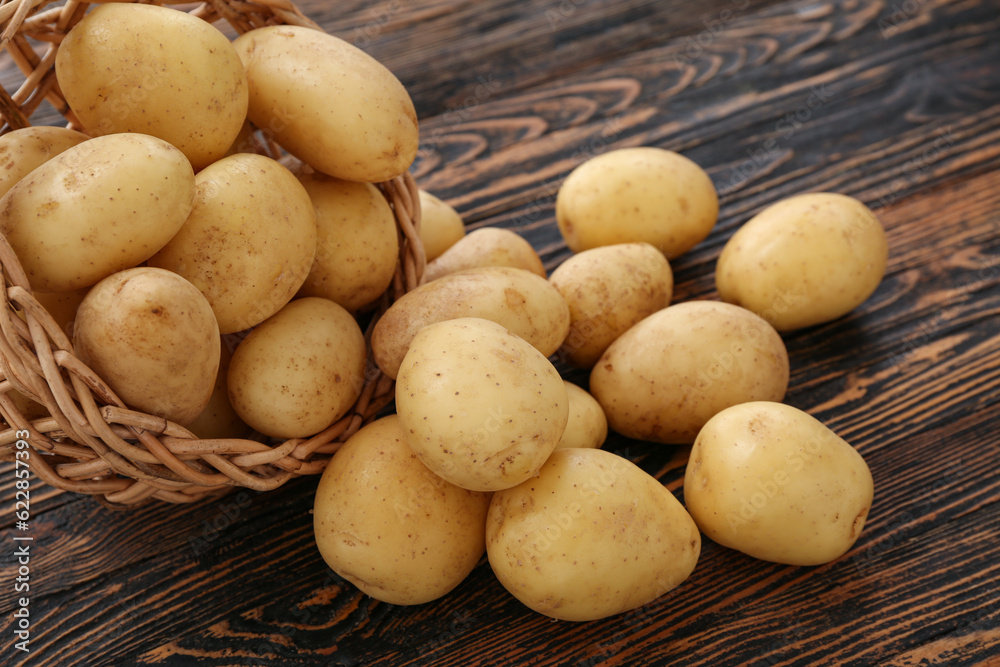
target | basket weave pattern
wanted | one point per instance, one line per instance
(89, 441)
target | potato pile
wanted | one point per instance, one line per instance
(156, 230)
(492, 451)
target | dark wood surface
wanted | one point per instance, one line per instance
(896, 102)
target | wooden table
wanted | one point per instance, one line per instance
(895, 102)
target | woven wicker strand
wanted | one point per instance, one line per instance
(87, 440)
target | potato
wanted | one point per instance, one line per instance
(329, 103)
(440, 225)
(186, 85)
(517, 299)
(805, 260)
(219, 419)
(591, 536)
(62, 306)
(390, 526)
(669, 374)
(152, 337)
(357, 244)
(299, 371)
(99, 207)
(637, 194)
(587, 426)
(608, 290)
(487, 246)
(27, 148)
(773, 482)
(28, 407)
(249, 242)
(246, 141)
(480, 406)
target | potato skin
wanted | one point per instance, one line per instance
(357, 244)
(669, 374)
(24, 149)
(480, 406)
(300, 370)
(440, 225)
(591, 536)
(774, 482)
(519, 300)
(102, 206)
(642, 194)
(609, 289)
(587, 426)
(152, 337)
(249, 241)
(805, 260)
(329, 103)
(390, 526)
(61, 306)
(187, 86)
(486, 246)
(219, 419)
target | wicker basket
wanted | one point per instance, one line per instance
(88, 441)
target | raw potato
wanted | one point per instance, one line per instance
(187, 86)
(99, 207)
(329, 103)
(299, 371)
(219, 419)
(29, 408)
(587, 426)
(670, 373)
(517, 299)
(440, 225)
(487, 246)
(357, 244)
(805, 260)
(773, 482)
(637, 194)
(608, 290)
(249, 242)
(152, 337)
(390, 526)
(591, 536)
(480, 406)
(27, 148)
(245, 141)
(62, 306)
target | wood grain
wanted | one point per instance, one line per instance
(900, 108)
